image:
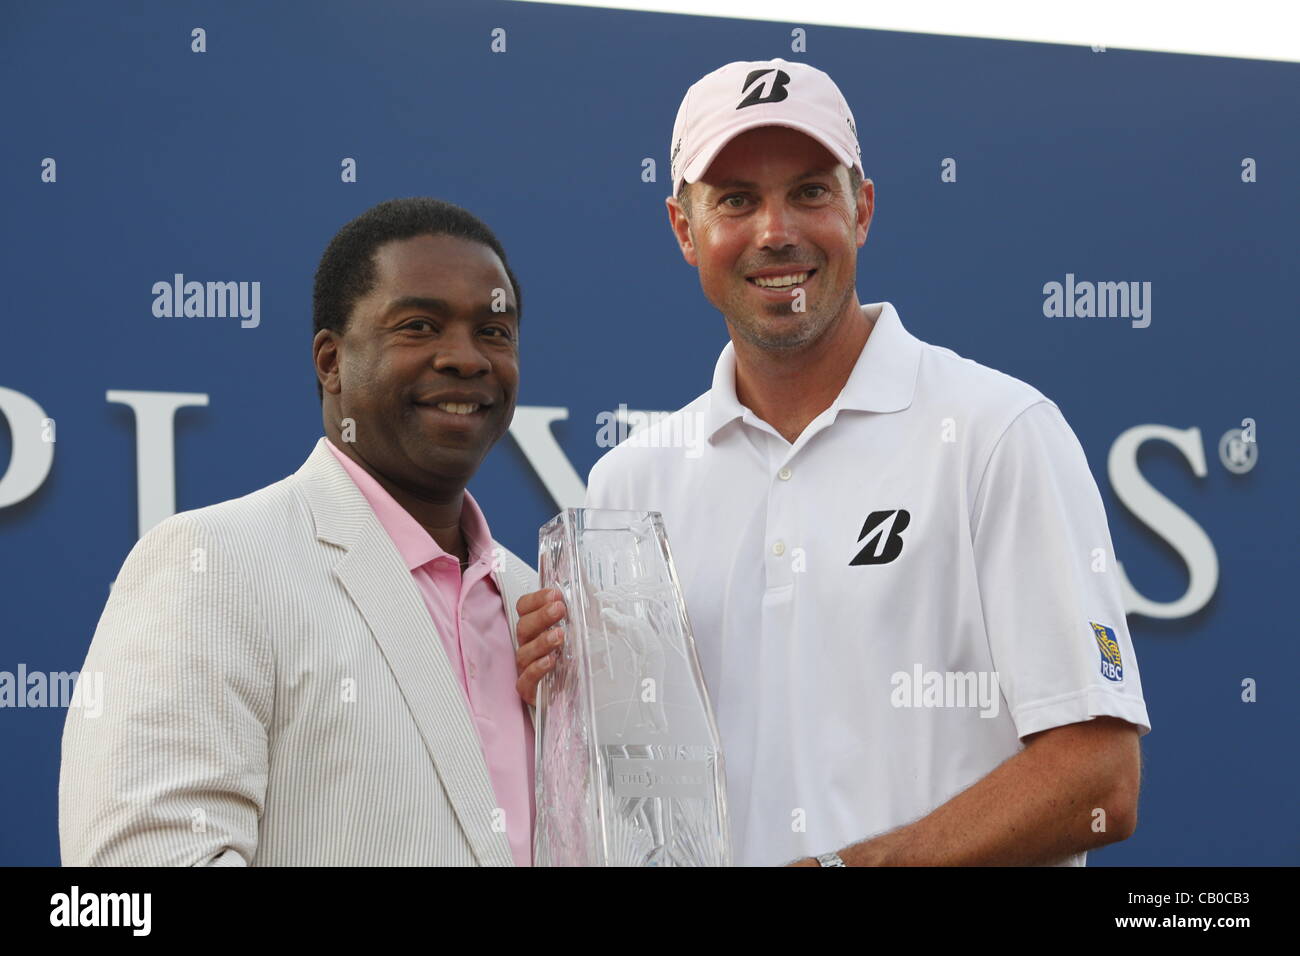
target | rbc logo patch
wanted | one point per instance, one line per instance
(1112, 667)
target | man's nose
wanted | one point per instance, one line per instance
(458, 352)
(776, 227)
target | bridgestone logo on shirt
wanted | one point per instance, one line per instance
(881, 548)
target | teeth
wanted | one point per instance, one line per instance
(458, 408)
(781, 282)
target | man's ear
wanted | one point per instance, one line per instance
(681, 227)
(866, 208)
(325, 356)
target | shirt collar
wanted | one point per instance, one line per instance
(882, 380)
(416, 546)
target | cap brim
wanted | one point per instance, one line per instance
(697, 167)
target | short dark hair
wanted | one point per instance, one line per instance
(684, 199)
(347, 270)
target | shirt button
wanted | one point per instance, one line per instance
(779, 548)
(784, 474)
(473, 672)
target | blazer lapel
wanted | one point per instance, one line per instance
(379, 583)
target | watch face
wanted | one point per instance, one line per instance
(830, 859)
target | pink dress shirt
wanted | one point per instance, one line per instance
(469, 616)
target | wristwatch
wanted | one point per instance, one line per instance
(830, 859)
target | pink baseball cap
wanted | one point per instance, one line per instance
(743, 95)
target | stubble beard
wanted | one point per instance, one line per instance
(796, 329)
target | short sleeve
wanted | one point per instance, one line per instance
(1047, 581)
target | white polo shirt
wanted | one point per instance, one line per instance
(884, 608)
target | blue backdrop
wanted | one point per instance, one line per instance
(227, 165)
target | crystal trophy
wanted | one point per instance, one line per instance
(629, 766)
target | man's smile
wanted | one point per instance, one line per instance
(780, 284)
(460, 409)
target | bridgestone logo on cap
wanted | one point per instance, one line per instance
(771, 89)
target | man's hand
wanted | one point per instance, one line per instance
(538, 640)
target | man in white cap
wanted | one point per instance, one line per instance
(895, 560)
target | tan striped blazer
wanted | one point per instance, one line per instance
(274, 693)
